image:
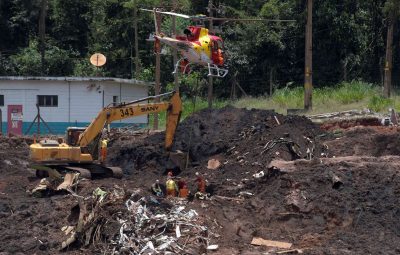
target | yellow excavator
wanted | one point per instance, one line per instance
(73, 154)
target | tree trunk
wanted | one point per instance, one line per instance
(135, 24)
(271, 80)
(42, 34)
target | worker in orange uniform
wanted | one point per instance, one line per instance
(201, 187)
(201, 183)
(171, 186)
(103, 150)
(183, 189)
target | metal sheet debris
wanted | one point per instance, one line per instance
(145, 227)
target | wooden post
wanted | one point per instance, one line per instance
(174, 51)
(158, 71)
(387, 82)
(210, 79)
(308, 85)
(135, 24)
(271, 80)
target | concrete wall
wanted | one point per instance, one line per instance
(78, 101)
(125, 93)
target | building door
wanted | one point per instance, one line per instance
(14, 119)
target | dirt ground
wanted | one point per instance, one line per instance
(345, 200)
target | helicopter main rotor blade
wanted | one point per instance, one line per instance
(169, 13)
(203, 17)
(234, 19)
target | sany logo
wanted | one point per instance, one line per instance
(149, 108)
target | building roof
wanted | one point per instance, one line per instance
(76, 79)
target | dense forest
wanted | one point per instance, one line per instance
(56, 38)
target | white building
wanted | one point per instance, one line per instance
(65, 101)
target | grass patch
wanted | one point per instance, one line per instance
(378, 103)
(352, 92)
(345, 96)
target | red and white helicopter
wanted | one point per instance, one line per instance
(197, 46)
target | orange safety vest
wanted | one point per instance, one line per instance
(201, 185)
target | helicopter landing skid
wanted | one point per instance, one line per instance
(215, 71)
(184, 68)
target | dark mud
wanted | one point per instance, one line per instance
(225, 131)
(298, 203)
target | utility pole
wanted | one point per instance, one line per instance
(135, 24)
(42, 33)
(174, 51)
(158, 67)
(210, 79)
(308, 85)
(387, 82)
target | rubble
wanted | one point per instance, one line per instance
(144, 225)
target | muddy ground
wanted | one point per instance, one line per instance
(345, 200)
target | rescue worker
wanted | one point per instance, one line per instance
(201, 187)
(201, 183)
(171, 186)
(183, 189)
(103, 150)
(156, 189)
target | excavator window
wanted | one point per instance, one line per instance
(73, 135)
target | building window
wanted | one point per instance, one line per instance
(1, 100)
(115, 100)
(47, 101)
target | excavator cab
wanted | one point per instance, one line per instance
(72, 135)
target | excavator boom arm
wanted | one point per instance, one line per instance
(124, 111)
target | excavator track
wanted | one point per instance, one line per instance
(83, 171)
(117, 172)
(87, 171)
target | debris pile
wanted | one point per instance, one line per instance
(137, 225)
(246, 136)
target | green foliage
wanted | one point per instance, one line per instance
(146, 74)
(348, 43)
(82, 67)
(350, 92)
(289, 98)
(28, 61)
(378, 103)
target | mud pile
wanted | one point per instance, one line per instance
(224, 131)
(366, 141)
